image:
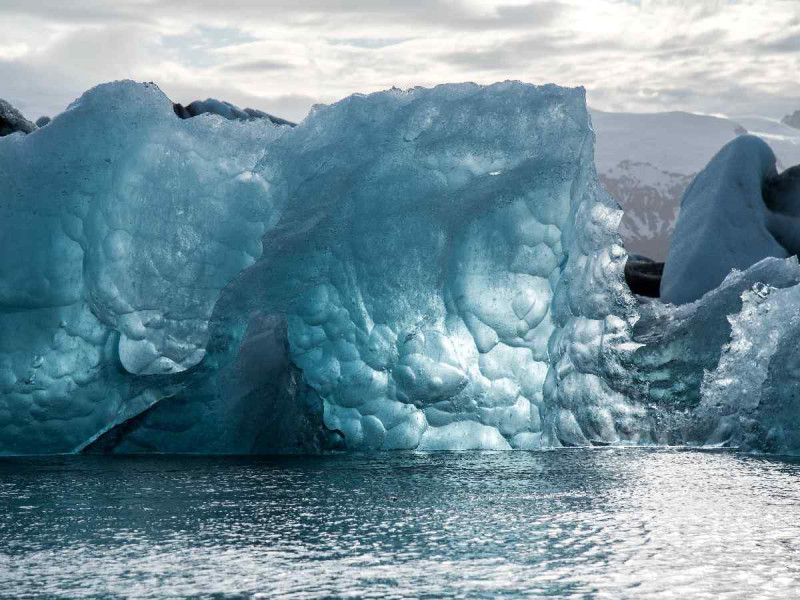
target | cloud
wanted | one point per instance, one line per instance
(371, 43)
(446, 14)
(785, 44)
(511, 54)
(527, 15)
(713, 56)
(78, 11)
(258, 66)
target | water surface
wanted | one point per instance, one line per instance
(600, 523)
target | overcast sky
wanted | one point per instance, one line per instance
(714, 56)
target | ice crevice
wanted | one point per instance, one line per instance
(431, 269)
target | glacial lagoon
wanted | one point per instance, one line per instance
(573, 523)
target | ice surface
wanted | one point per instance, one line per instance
(121, 224)
(680, 343)
(255, 403)
(432, 269)
(424, 247)
(750, 398)
(435, 269)
(724, 222)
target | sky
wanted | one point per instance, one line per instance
(722, 57)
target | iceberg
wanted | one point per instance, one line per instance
(724, 203)
(121, 225)
(750, 397)
(425, 249)
(737, 211)
(432, 269)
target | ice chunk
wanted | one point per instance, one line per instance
(434, 269)
(750, 399)
(724, 222)
(680, 343)
(256, 403)
(445, 235)
(121, 224)
(445, 260)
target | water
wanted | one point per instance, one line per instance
(601, 523)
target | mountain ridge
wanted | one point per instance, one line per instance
(646, 161)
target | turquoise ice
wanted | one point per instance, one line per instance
(422, 269)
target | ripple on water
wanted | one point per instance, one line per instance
(600, 523)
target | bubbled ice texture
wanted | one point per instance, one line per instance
(424, 269)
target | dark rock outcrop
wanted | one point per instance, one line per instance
(11, 120)
(224, 109)
(643, 276)
(782, 197)
(792, 120)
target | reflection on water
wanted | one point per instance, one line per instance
(601, 523)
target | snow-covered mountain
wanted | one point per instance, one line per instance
(647, 160)
(792, 120)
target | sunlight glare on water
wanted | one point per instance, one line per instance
(601, 523)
